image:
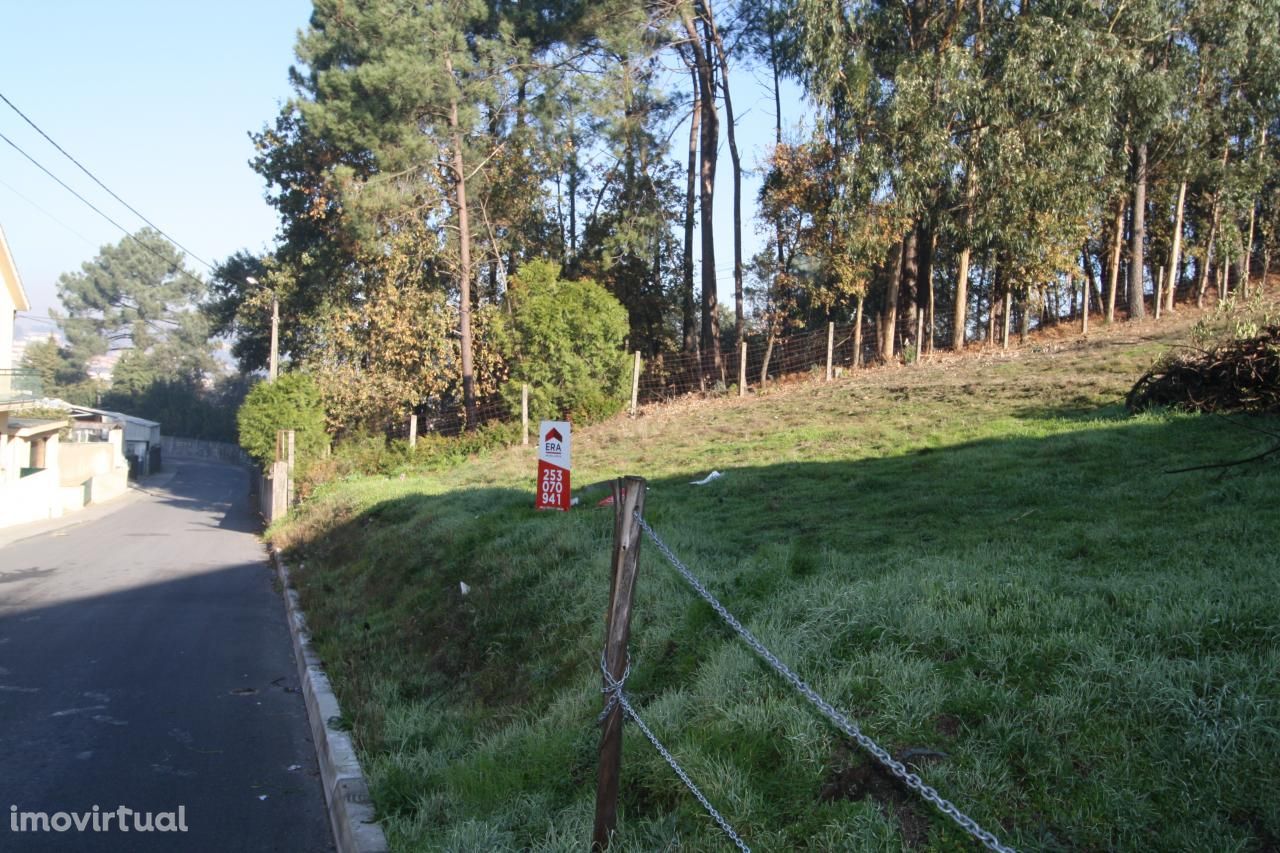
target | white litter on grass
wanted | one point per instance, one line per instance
(714, 475)
(293, 767)
(262, 796)
(462, 585)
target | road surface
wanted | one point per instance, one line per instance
(145, 663)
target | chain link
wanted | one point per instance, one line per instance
(613, 689)
(897, 768)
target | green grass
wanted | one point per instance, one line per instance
(981, 557)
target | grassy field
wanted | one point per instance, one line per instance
(982, 558)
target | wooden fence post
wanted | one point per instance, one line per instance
(831, 340)
(1159, 291)
(289, 439)
(413, 430)
(635, 384)
(524, 413)
(1084, 315)
(742, 369)
(628, 500)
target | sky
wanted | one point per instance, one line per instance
(157, 99)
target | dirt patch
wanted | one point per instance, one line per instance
(856, 778)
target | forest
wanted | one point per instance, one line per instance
(968, 171)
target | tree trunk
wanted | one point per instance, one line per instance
(1137, 257)
(889, 312)
(1007, 318)
(927, 280)
(768, 354)
(573, 196)
(1207, 261)
(688, 310)
(857, 332)
(464, 259)
(1175, 252)
(992, 279)
(709, 142)
(738, 304)
(1113, 274)
(910, 278)
(1087, 263)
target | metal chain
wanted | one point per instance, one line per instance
(613, 689)
(897, 768)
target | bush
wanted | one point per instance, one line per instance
(291, 402)
(566, 341)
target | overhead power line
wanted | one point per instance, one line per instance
(94, 177)
(176, 268)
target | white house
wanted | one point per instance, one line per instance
(30, 485)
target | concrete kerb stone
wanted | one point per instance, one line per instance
(346, 792)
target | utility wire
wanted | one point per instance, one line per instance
(134, 210)
(11, 189)
(177, 268)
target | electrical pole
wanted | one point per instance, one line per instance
(275, 337)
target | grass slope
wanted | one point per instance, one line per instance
(979, 557)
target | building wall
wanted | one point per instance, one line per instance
(35, 497)
(80, 462)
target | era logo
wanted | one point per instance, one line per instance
(554, 443)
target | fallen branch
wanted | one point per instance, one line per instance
(1263, 455)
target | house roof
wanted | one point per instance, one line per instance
(12, 280)
(26, 428)
(89, 410)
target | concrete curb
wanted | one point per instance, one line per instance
(346, 792)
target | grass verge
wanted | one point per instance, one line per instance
(980, 560)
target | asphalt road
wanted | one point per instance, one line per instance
(145, 663)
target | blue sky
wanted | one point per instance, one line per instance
(157, 99)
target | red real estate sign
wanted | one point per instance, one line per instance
(553, 465)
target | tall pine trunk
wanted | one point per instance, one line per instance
(1137, 251)
(709, 142)
(738, 305)
(464, 259)
(689, 320)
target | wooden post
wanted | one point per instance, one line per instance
(289, 443)
(919, 335)
(742, 369)
(273, 369)
(635, 384)
(413, 430)
(831, 340)
(1084, 314)
(524, 413)
(1159, 291)
(628, 499)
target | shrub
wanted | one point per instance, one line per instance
(566, 341)
(291, 402)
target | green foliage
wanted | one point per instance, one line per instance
(181, 407)
(137, 295)
(566, 341)
(291, 402)
(61, 374)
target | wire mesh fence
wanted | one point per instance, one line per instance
(666, 376)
